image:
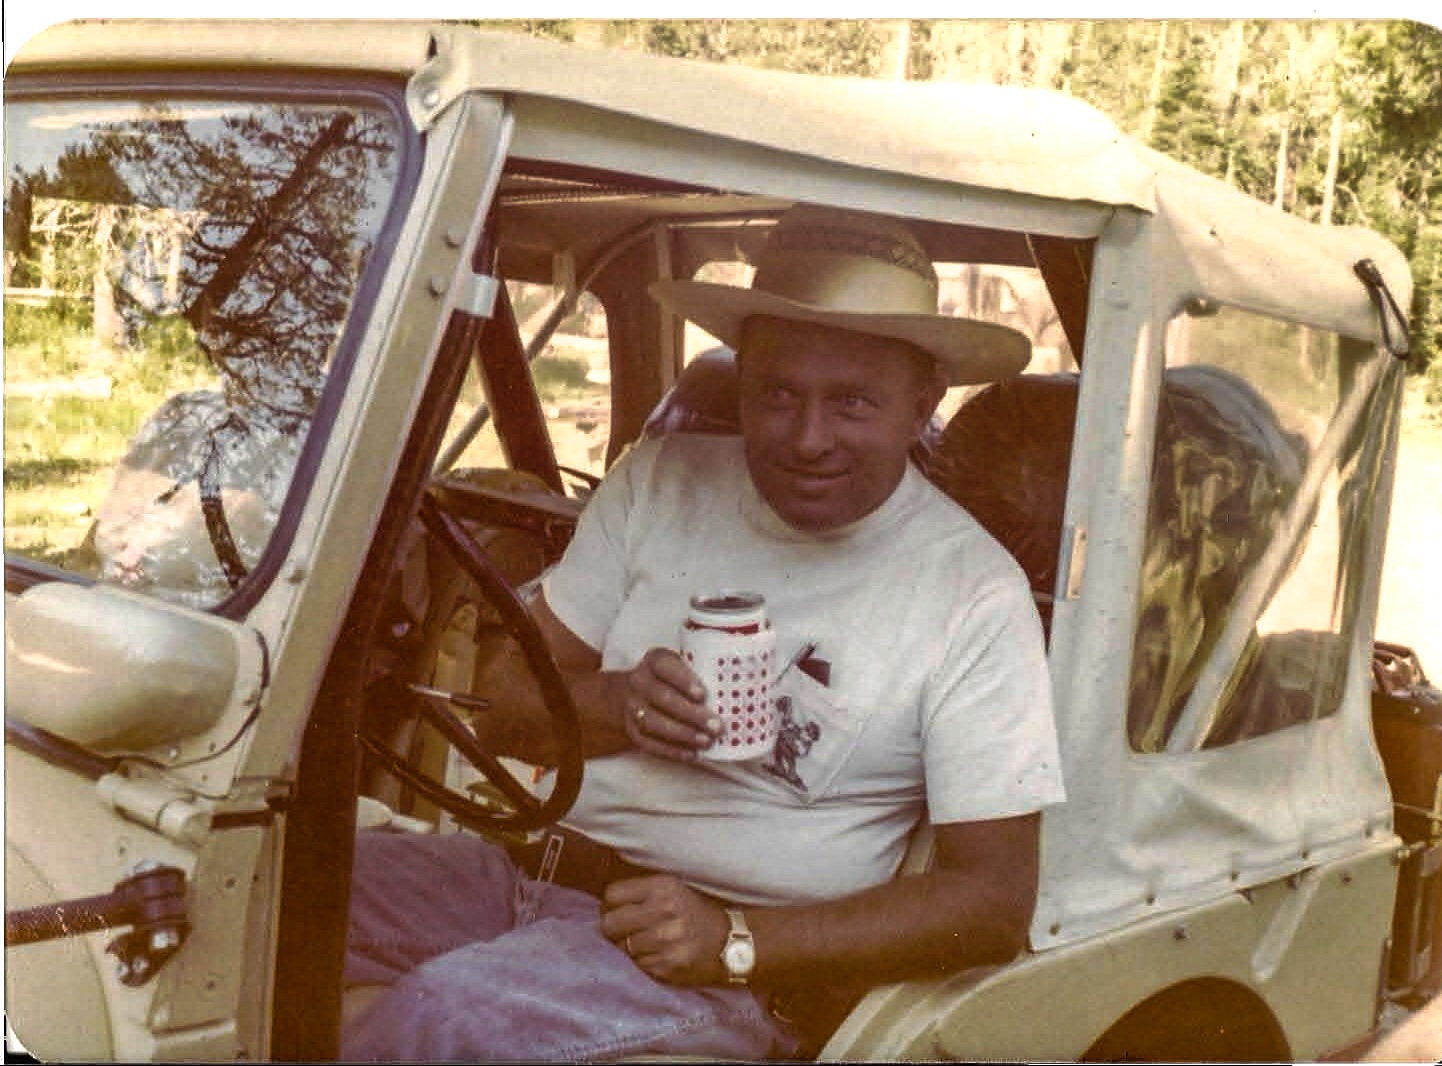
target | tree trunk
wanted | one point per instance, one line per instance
(107, 326)
(1232, 96)
(1279, 185)
(590, 32)
(174, 262)
(50, 226)
(1334, 160)
(1078, 52)
(1052, 54)
(238, 257)
(1154, 94)
(895, 51)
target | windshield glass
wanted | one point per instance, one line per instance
(177, 276)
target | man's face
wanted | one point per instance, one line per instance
(828, 417)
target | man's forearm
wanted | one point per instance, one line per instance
(920, 926)
(601, 701)
(521, 726)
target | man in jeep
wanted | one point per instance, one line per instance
(747, 895)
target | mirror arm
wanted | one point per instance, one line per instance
(57, 751)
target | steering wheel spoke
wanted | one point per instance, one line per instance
(460, 737)
(528, 811)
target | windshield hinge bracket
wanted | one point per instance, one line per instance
(171, 812)
(437, 84)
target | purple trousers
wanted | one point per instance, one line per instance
(481, 963)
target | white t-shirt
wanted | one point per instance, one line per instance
(938, 691)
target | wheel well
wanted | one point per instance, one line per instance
(1205, 1019)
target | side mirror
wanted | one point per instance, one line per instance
(109, 669)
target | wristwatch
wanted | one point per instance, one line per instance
(739, 954)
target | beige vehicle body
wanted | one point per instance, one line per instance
(1221, 880)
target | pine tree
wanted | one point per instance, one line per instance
(1187, 127)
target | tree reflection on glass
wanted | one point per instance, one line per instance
(280, 193)
(214, 248)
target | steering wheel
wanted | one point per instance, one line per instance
(527, 811)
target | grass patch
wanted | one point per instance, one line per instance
(47, 341)
(71, 410)
(26, 474)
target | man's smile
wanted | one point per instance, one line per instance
(807, 479)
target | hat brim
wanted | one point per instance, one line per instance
(969, 350)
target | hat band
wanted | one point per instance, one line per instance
(835, 240)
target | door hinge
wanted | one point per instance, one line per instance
(476, 295)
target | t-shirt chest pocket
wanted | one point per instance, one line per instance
(815, 738)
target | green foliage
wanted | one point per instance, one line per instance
(80, 406)
(165, 350)
(1388, 77)
(1186, 124)
(555, 29)
(557, 373)
(811, 46)
(45, 337)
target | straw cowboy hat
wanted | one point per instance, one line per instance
(855, 271)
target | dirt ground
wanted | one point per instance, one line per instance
(1410, 611)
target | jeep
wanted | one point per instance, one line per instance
(319, 335)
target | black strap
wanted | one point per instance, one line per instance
(573, 860)
(1387, 309)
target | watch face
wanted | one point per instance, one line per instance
(740, 957)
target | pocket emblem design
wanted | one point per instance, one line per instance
(793, 740)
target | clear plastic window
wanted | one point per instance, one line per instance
(1259, 513)
(177, 274)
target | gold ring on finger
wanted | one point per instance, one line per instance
(640, 717)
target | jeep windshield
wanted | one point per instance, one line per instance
(179, 274)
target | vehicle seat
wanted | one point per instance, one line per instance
(1223, 472)
(704, 398)
(1223, 476)
(1004, 456)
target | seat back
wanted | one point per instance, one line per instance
(1004, 456)
(1223, 476)
(704, 399)
(1223, 471)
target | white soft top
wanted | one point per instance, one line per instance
(1034, 149)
